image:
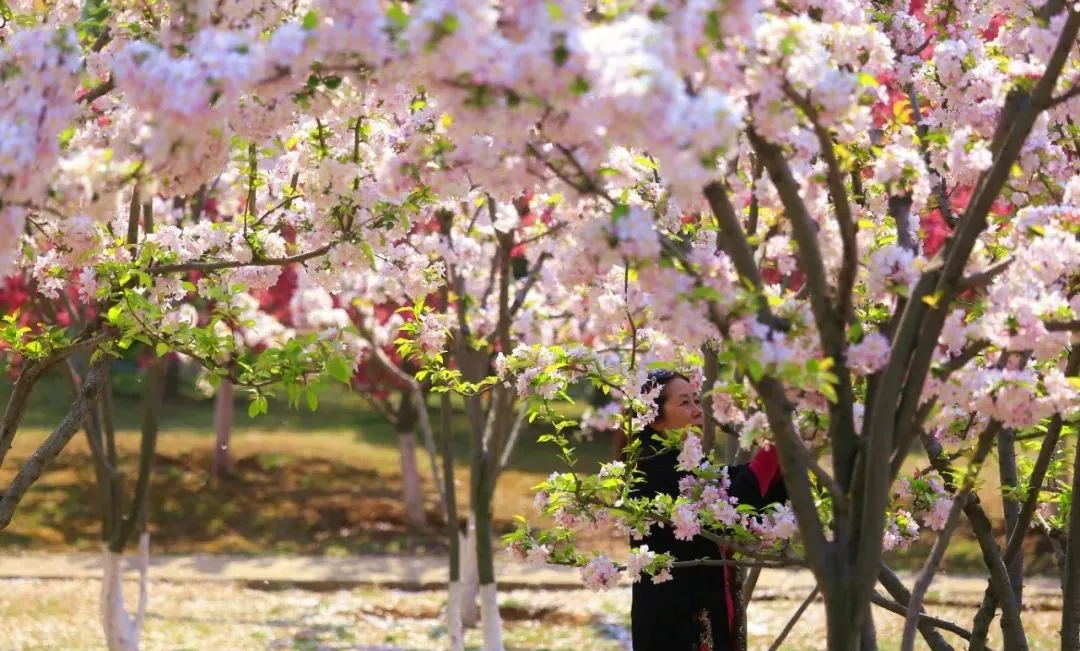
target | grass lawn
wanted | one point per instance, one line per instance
(40, 615)
(324, 482)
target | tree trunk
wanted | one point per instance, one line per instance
(470, 577)
(221, 460)
(456, 589)
(842, 632)
(1011, 505)
(121, 631)
(489, 613)
(412, 492)
(1070, 606)
(172, 377)
(485, 565)
(453, 616)
(708, 426)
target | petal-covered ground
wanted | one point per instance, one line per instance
(62, 614)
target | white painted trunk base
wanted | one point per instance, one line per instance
(453, 618)
(121, 631)
(470, 576)
(489, 613)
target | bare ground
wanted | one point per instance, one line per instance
(62, 614)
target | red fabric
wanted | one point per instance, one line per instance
(766, 467)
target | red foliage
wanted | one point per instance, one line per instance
(275, 301)
(772, 275)
(934, 232)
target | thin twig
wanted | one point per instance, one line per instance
(99, 91)
(983, 278)
(1072, 93)
(899, 609)
(775, 646)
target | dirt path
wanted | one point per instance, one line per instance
(40, 614)
(429, 572)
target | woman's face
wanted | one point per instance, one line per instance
(681, 407)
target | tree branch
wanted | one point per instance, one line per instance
(19, 400)
(51, 447)
(155, 395)
(1072, 93)
(983, 278)
(416, 394)
(937, 553)
(901, 596)
(731, 238)
(583, 187)
(1015, 544)
(830, 326)
(775, 646)
(511, 442)
(924, 619)
(841, 204)
(161, 270)
(725, 562)
(900, 211)
(1012, 627)
(534, 275)
(99, 91)
(940, 191)
(1063, 326)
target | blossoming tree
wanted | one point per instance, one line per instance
(753, 174)
(877, 343)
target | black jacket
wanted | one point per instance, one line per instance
(697, 610)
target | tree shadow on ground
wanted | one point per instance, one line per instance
(271, 503)
(340, 411)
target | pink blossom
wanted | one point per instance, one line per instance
(937, 516)
(638, 561)
(691, 453)
(538, 554)
(685, 523)
(869, 355)
(600, 574)
(517, 550)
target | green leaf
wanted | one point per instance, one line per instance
(369, 253)
(311, 20)
(754, 368)
(645, 162)
(867, 79)
(788, 45)
(560, 54)
(312, 400)
(579, 87)
(161, 349)
(338, 369)
(397, 16)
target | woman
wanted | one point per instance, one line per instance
(698, 610)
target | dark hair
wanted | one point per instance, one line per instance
(660, 378)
